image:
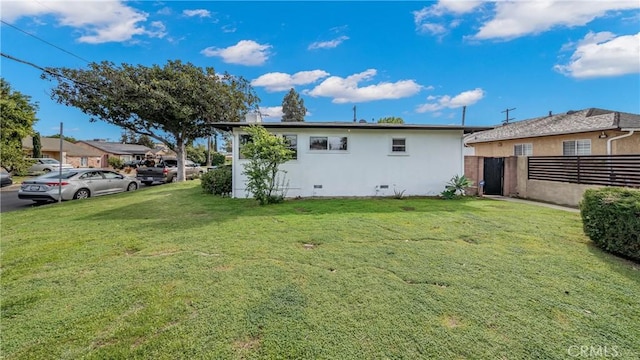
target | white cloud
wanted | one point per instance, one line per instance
(428, 19)
(271, 113)
(97, 21)
(465, 98)
(603, 54)
(197, 12)
(519, 18)
(164, 11)
(228, 28)
(344, 90)
(277, 81)
(245, 52)
(328, 44)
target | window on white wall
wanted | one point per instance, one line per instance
(292, 144)
(84, 161)
(523, 149)
(576, 147)
(333, 143)
(398, 145)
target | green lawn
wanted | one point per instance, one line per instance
(170, 273)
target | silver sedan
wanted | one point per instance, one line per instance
(76, 184)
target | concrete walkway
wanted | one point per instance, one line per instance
(530, 202)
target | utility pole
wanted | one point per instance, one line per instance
(354, 113)
(464, 113)
(507, 119)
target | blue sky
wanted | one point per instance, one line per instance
(422, 61)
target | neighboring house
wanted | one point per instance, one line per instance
(585, 132)
(360, 159)
(125, 152)
(160, 151)
(73, 154)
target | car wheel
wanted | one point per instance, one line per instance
(82, 194)
(46, 171)
(132, 187)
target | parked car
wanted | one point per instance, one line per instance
(45, 165)
(5, 177)
(76, 184)
(166, 171)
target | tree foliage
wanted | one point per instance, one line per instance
(265, 152)
(17, 117)
(37, 145)
(390, 120)
(293, 107)
(197, 153)
(130, 137)
(175, 103)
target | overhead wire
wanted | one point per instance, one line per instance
(45, 41)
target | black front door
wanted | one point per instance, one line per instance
(493, 175)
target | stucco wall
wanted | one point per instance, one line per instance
(549, 191)
(432, 158)
(552, 145)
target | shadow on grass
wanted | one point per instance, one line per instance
(181, 208)
(626, 267)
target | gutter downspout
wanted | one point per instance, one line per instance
(631, 131)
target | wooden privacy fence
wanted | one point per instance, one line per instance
(609, 170)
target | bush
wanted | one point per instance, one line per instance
(115, 163)
(217, 181)
(217, 158)
(611, 218)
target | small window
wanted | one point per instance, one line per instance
(576, 147)
(292, 144)
(523, 149)
(398, 145)
(84, 161)
(244, 139)
(333, 143)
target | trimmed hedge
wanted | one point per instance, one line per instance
(217, 181)
(611, 218)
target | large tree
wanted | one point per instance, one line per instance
(17, 117)
(175, 103)
(130, 137)
(293, 107)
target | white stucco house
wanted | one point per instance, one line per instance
(360, 159)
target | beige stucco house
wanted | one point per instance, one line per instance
(71, 153)
(585, 132)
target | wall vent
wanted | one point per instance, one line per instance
(384, 186)
(317, 186)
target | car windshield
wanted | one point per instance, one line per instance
(55, 175)
(50, 161)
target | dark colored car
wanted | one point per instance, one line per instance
(5, 179)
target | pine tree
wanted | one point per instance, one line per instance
(37, 145)
(293, 107)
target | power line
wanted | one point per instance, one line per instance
(45, 41)
(58, 75)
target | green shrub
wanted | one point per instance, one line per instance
(217, 181)
(611, 218)
(217, 158)
(115, 163)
